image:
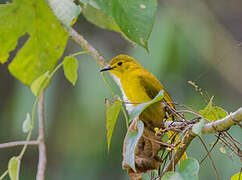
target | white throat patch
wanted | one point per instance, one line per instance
(129, 107)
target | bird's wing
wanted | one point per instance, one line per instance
(152, 87)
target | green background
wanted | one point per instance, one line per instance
(75, 116)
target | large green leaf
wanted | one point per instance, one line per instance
(213, 113)
(141, 107)
(131, 143)
(45, 45)
(112, 111)
(189, 169)
(135, 18)
(105, 5)
(99, 18)
(13, 168)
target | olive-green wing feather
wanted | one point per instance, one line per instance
(152, 87)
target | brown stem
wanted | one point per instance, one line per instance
(86, 46)
(216, 126)
(18, 143)
(41, 138)
(210, 157)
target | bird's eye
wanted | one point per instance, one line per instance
(120, 63)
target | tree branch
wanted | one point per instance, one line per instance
(187, 139)
(86, 46)
(223, 124)
(212, 127)
(41, 138)
(18, 143)
(216, 126)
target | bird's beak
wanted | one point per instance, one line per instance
(106, 68)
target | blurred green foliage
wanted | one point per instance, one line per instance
(181, 49)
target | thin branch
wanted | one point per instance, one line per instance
(210, 150)
(159, 142)
(41, 138)
(86, 46)
(18, 143)
(216, 126)
(210, 157)
(223, 124)
(4, 174)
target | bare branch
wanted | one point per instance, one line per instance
(223, 124)
(216, 126)
(42, 149)
(210, 157)
(86, 46)
(18, 143)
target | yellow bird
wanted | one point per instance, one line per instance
(138, 85)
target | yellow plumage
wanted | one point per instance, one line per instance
(138, 85)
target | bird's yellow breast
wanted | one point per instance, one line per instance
(141, 86)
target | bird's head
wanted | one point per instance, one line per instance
(121, 64)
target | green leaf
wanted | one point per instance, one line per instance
(135, 18)
(112, 111)
(104, 5)
(65, 10)
(141, 107)
(131, 143)
(213, 113)
(171, 176)
(99, 18)
(13, 168)
(189, 169)
(46, 42)
(70, 67)
(147, 175)
(27, 124)
(40, 83)
(236, 176)
(197, 128)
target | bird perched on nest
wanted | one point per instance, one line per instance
(138, 85)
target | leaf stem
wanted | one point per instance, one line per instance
(31, 129)
(4, 174)
(56, 68)
(78, 53)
